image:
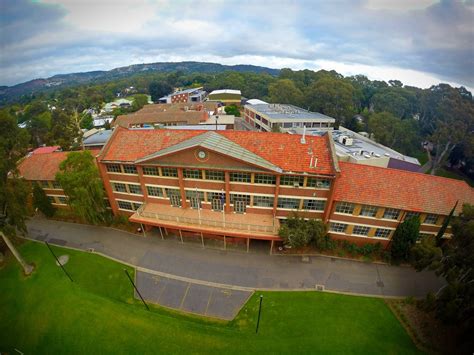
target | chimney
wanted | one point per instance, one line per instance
(303, 138)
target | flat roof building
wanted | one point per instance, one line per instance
(187, 95)
(355, 148)
(226, 96)
(288, 118)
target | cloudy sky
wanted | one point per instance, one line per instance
(420, 42)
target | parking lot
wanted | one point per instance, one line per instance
(211, 301)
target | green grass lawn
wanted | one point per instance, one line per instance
(46, 313)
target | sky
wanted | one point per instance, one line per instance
(419, 42)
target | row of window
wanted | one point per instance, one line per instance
(129, 206)
(49, 184)
(59, 200)
(265, 179)
(359, 230)
(389, 213)
(126, 188)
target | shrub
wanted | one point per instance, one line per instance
(41, 201)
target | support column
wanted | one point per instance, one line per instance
(143, 230)
(271, 247)
(330, 200)
(248, 244)
(277, 192)
(202, 240)
(181, 188)
(181, 236)
(227, 192)
(225, 245)
(142, 183)
(108, 188)
(161, 232)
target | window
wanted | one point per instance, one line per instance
(431, 219)
(425, 235)
(265, 179)
(314, 205)
(119, 187)
(369, 211)
(382, 233)
(345, 207)
(171, 172)
(44, 184)
(338, 227)
(51, 199)
(240, 197)
(193, 194)
(56, 185)
(291, 203)
(287, 125)
(173, 192)
(216, 196)
(192, 174)
(130, 169)
(107, 203)
(125, 205)
(391, 213)
(113, 168)
(263, 201)
(214, 175)
(136, 205)
(240, 177)
(155, 191)
(318, 183)
(135, 189)
(292, 180)
(360, 230)
(410, 214)
(62, 200)
(150, 170)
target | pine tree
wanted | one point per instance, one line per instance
(404, 238)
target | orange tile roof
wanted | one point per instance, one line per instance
(189, 117)
(400, 189)
(41, 166)
(280, 149)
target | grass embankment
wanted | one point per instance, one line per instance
(46, 313)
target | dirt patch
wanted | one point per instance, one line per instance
(428, 333)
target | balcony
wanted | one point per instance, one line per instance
(207, 221)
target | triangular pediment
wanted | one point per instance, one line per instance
(216, 143)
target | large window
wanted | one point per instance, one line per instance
(170, 172)
(135, 189)
(172, 192)
(51, 199)
(265, 179)
(290, 203)
(338, 227)
(314, 205)
(431, 219)
(44, 184)
(56, 185)
(290, 180)
(113, 168)
(193, 194)
(391, 213)
(411, 214)
(382, 233)
(318, 183)
(62, 200)
(119, 187)
(360, 230)
(150, 170)
(214, 175)
(240, 177)
(129, 206)
(155, 191)
(130, 169)
(240, 197)
(192, 174)
(369, 211)
(263, 201)
(345, 207)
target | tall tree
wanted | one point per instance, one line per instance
(80, 179)
(404, 238)
(158, 89)
(284, 91)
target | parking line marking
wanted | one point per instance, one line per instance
(209, 301)
(185, 294)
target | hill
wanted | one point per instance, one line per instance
(11, 93)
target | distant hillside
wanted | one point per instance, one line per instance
(11, 93)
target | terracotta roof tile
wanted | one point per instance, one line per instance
(282, 150)
(41, 166)
(44, 150)
(190, 117)
(400, 189)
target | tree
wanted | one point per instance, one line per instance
(87, 122)
(41, 201)
(38, 127)
(80, 179)
(297, 232)
(139, 100)
(404, 238)
(284, 91)
(63, 130)
(232, 110)
(158, 90)
(425, 253)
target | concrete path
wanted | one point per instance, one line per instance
(256, 271)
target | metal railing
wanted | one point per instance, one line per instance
(207, 222)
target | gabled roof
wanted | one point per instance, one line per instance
(217, 143)
(41, 166)
(400, 189)
(282, 150)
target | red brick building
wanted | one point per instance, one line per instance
(239, 186)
